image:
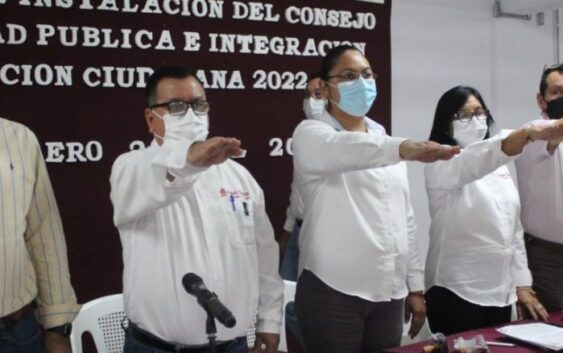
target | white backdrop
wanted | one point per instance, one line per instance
(438, 44)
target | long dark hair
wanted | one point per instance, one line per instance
(449, 104)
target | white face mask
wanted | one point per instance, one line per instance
(314, 108)
(466, 133)
(190, 126)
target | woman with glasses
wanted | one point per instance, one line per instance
(359, 256)
(476, 266)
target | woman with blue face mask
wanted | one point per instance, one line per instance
(359, 264)
(476, 266)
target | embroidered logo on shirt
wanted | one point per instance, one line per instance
(234, 194)
(237, 198)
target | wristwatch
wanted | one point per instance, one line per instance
(63, 329)
(417, 293)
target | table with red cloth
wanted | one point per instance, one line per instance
(491, 335)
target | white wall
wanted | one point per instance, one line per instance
(520, 51)
(438, 44)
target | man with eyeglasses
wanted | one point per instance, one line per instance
(181, 205)
(540, 183)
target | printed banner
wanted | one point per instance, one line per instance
(74, 71)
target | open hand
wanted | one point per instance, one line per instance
(215, 150)
(426, 151)
(527, 299)
(549, 132)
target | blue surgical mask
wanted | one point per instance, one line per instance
(357, 96)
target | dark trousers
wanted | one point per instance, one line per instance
(24, 337)
(334, 322)
(140, 341)
(448, 313)
(545, 260)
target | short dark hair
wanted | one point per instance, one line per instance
(313, 76)
(161, 73)
(448, 105)
(332, 56)
(546, 71)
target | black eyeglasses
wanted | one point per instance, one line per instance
(179, 108)
(465, 117)
(352, 75)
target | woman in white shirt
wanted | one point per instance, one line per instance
(476, 266)
(359, 256)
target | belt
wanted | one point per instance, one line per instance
(9, 321)
(152, 341)
(543, 243)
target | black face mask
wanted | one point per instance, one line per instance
(555, 108)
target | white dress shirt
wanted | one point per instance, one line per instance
(294, 211)
(359, 231)
(476, 245)
(209, 221)
(540, 182)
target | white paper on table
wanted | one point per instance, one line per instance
(539, 334)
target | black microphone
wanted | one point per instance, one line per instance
(193, 284)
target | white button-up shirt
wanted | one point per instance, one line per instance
(294, 211)
(540, 182)
(359, 231)
(476, 244)
(209, 221)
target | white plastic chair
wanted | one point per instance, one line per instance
(102, 318)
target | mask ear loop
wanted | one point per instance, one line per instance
(157, 135)
(161, 118)
(158, 115)
(330, 100)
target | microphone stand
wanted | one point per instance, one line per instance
(211, 331)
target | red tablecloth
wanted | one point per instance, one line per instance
(490, 334)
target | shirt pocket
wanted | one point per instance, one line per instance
(240, 221)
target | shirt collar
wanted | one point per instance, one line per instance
(371, 125)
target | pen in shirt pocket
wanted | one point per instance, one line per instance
(245, 206)
(233, 203)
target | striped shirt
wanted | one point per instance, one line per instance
(33, 261)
